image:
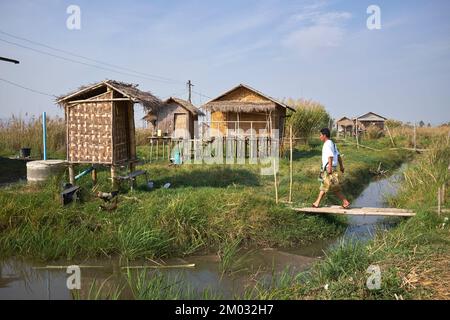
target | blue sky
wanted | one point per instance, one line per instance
(320, 50)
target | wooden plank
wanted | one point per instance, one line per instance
(359, 211)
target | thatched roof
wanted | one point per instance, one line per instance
(371, 116)
(148, 100)
(186, 105)
(219, 104)
(237, 106)
(344, 121)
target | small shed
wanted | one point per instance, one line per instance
(100, 122)
(345, 126)
(244, 111)
(175, 118)
(370, 119)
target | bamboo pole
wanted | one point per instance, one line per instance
(390, 135)
(94, 176)
(357, 134)
(273, 163)
(151, 150)
(290, 164)
(113, 177)
(71, 174)
(439, 201)
(415, 137)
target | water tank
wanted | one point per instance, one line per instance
(41, 170)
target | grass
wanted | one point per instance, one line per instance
(205, 207)
(26, 132)
(413, 258)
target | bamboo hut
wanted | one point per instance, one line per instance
(345, 126)
(244, 112)
(370, 119)
(176, 119)
(100, 123)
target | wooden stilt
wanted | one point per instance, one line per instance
(113, 177)
(390, 135)
(94, 176)
(290, 164)
(439, 201)
(71, 174)
(151, 150)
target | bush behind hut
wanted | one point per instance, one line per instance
(309, 117)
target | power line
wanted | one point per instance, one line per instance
(80, 62)
(89, 59)
(27, 88)
(133, 73)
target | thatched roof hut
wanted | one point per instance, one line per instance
(176, 118)
(253, 101)
(245, 111)
(100, 122)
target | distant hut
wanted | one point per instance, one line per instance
(244, 111)
(100, 123)
(370, 119)
(175, 118)
(345, 126)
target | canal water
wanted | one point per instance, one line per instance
(27, 280)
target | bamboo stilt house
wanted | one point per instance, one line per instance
(176, 118)
(100, 122)
(345, 126)
(244, 111)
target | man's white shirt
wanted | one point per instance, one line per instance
(329, 149)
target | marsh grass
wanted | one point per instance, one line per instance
(26, 132)
(205, 207)
(413, 257)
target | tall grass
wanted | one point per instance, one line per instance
(21, 132)
(205, 207)
(413, 257)
(309, 117)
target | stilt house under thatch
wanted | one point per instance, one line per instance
(244, 112)
(100, 122)
(176, 119)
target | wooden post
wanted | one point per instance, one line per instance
(151, 149)
(169, 147)
(157, 148)
(415, 140)
(291, 164)
(357, 134)
(275, 180)
(164, 148)
(439, 201)
(443, 194)
(94, 176)
(113, 177)
(390, 135)
(71, 174)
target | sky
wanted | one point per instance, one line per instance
(320, 50)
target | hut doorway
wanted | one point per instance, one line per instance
(180, 124)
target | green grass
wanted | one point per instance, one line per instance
(413, 257)
(205, 207)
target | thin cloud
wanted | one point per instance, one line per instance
(314, 29)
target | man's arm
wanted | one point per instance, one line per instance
(341, 163)
(330, 165)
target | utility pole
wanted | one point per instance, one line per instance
(9, 60)
(190, 85)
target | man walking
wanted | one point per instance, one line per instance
(329, 174)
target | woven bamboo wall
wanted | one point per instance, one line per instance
(121, 132)
(89, 131)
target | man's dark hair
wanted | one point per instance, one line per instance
(326, 132)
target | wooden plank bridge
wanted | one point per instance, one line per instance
(358, 211)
